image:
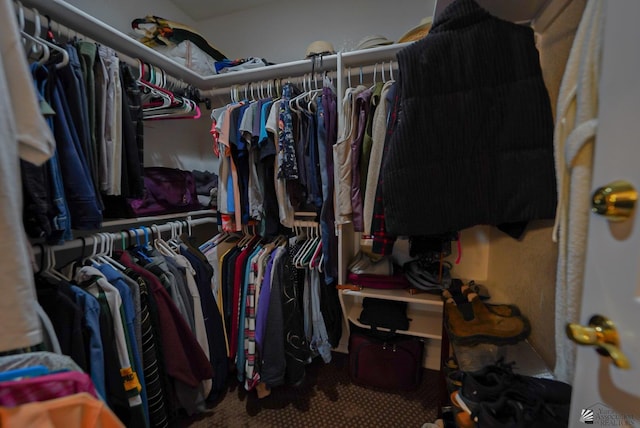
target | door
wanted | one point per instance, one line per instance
(604, 395)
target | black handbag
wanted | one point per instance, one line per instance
(390, 314)
(393, 364)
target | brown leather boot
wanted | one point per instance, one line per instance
(485, 327)
(503, 310)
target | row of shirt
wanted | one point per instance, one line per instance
(271, 308)
(276, 159)
(92, 105)
(158, 328)
(359, 155)
(146, 327)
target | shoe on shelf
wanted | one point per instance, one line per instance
(485, 326)
(460, 293)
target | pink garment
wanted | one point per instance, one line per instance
(46, 387)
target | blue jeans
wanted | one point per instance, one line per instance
(60, 222)
(78, 184)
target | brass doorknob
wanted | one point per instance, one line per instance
(603, 335)
(616, 201)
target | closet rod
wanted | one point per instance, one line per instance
(89, 240)
(367, 70)
(257, 84)
(74, 18)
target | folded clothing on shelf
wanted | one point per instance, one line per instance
(229, 65)
(167, 190)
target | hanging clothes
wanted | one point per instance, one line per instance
(574, 139)
(60, 412)
(23, 134)
(111, 303)
(497, 168)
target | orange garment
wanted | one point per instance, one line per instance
(77, 410)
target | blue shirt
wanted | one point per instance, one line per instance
(91, 315)
(115, 278)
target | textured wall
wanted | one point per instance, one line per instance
(281, 31)
(525, 272)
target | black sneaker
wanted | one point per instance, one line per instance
(516, 410)
(489, 383)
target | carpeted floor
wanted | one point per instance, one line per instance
(327, 398)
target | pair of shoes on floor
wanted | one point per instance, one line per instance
(453, 374)
(471, 321)
(497, 397)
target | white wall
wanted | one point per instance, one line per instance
(281, 31)
(120, 13)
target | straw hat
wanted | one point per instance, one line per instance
(418, 32)
(373, 41)
(319, 47)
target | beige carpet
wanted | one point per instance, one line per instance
(327, 398)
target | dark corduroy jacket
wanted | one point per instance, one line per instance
(474, 139)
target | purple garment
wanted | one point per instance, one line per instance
(363, 102)
(263, 302)
(46, 387)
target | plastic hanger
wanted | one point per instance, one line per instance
(138, 250)
(165, 96)
(51, 265)
(50, 45)
(176, 231)
(315, 258)
(300, 255)
(107, 257)
(51, 42)
(375, 72)
(70, 269)
(35, 43)
(311, 249)
(160, 244)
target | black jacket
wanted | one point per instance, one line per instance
(474, 138)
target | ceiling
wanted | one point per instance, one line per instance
(200, 10)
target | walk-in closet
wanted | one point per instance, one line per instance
(276, 213)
